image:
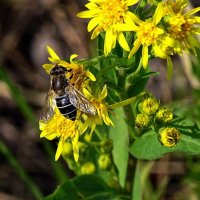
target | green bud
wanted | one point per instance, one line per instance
(164, 115)
(104, 161)
(106, 146)
(67, 149)
(88, 168)
(169, 137)
(150, 106)
(87, 137)
(142, 120)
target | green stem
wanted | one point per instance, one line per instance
(129, 117)
(20, 171)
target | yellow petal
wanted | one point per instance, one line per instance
(122, 41)
(108, 41)
(191, 12)
(130, 22)
(59, 148)
(93, 23)
(90, 76)
(87, 94)
(91, 5)
(158, 52)
(134, 17)
(75, 147)
(48, 67)
(72, 57)
(42, 125)
(52, 53)
(103, 94)
(48, 135)
(145, 56)
(136, 46)
(131, 2)
(125, 27)
(106, 118)
(169, 68)
(158, 13)
(197, 19)
(85, 125)
(95, 33)
(87, 14)
(64, 64)
(53, 60)
(43, 134)
(114, 39)
(170, 42)
(51, 136)
(93, 126)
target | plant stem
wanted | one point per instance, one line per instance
(20, 171)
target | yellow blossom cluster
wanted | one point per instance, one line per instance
(65, 129)
(169, 30)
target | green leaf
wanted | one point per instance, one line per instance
(148, 147)
(186, 126)
(86, 187)
(119, 135)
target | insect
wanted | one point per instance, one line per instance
(65, 97)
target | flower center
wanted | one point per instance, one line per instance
(113, 12)
(180, 26)
(63, 127)
(148, 33)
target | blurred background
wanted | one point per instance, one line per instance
(26, 28)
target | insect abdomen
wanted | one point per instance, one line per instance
(65, 107)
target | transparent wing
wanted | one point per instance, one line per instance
(79, 101)
(48, 107)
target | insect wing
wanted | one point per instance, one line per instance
(79, 101)
(48, 108)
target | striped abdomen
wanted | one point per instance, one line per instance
(65, 107)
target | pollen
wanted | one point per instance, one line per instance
(113, 12)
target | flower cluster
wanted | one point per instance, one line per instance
(68, 130)
(168, 30)
(151, 115)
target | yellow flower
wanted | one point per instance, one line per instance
(169, 137)
(150, 34)
(101, 107)
(111, 16)
(64, 129)
(182, 26)
(76, 72)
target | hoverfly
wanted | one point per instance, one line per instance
(65, 97)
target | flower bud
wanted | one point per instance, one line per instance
(67, 149)
(106, 146)
(163, 116)
(142, 120)
(169, 137)
(150, 106)
(88, 168)
(87, 137)
(104, 161)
